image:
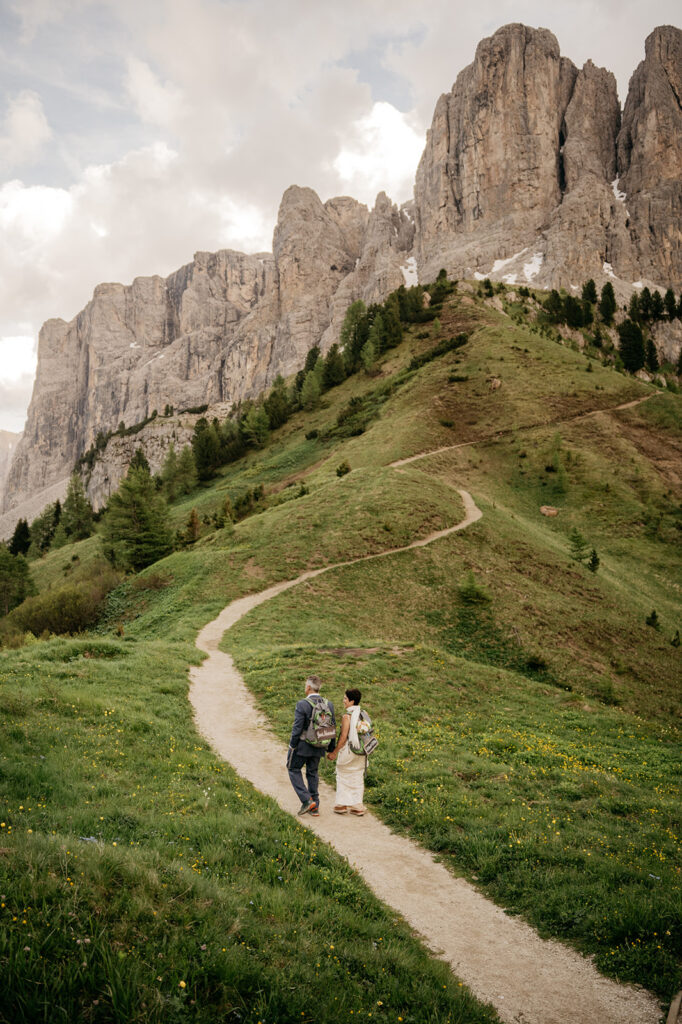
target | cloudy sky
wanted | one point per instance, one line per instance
(135, 132)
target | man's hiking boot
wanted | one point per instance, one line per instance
(314, 811)
(307, 807)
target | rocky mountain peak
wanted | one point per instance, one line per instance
(529, 175)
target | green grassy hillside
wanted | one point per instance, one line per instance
(529, 723)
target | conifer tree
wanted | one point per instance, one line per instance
(256, 426)
(651, 357)
(311, 358)
(594, 561)
(657, 306)
(554, 306)
(334, 371)
(21, 539)
(169, 473)
(76, 517)
(277, 403)
(59, 539)
(633, 308)
(206, 448)
(354, 332)
(377, 337)
(192, 528)
(578, 545)
(589, 293)
(670, 304)
(653, 620)
(43, 528)
(139, 461)
(311, 390)
(645, 304)
(187, 471)
(15, 580)
(607, 303)
(368, 355)
(393, 329)
(135, 529)
(631, 346)
(573, 312)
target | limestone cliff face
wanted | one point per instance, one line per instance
(490, 174)
(528, 176)
(650, 157)
(217, 330)
(132, 349)
(491, 155)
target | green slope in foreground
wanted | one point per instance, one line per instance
(530, 736)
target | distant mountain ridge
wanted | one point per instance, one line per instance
(529, 175)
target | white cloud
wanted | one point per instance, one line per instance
(155, 103)
(25, 130)
(32, 216)
(18, 357)
(382, 153)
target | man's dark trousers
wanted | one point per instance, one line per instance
(311, 762)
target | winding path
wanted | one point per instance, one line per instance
(503, 961)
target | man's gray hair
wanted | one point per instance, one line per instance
(314, 682)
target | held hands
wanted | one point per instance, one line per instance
(331, 757)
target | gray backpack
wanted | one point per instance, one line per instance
(367, 741)
(321, 729)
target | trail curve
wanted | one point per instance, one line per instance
(502, 959)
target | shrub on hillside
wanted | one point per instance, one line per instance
(471, 592)
(342, 469)
(68, 609)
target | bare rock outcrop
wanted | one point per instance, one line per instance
(489, 177)
(528, 175)
(132, 349)
(155, 438)
(217, 330)
(650, 158)
(380, 267)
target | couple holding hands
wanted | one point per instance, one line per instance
(313, 733)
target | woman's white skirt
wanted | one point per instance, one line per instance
(350, 778)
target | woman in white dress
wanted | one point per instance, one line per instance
(350, 767)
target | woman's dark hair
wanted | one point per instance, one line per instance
(354, 695)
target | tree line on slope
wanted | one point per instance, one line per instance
(636, 348)
(135, 529)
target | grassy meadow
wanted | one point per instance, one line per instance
(528, 716)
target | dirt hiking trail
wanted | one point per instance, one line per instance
(501, 959)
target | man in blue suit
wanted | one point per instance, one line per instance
(303, 754)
